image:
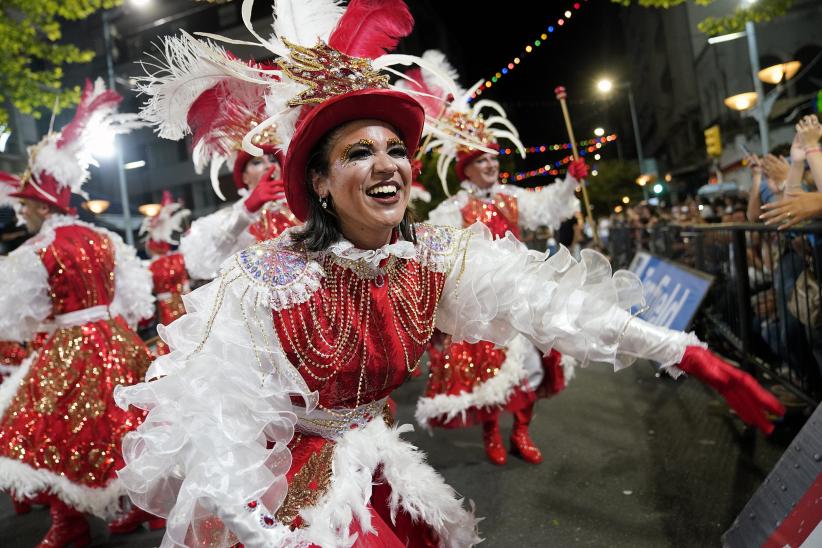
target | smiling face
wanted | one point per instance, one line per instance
(368, 181)
(483, 171)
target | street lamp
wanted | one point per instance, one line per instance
(742, 101)
(150, 210)
(776, 73)
(605, 85)
(96, 206)
(121, 174)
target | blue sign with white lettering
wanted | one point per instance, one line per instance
(673, 292)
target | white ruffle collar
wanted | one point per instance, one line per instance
(372, 257)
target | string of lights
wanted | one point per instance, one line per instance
(529, 48)
(556, 168)
(562, 146)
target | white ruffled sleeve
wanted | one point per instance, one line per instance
(449, 212)
(550, 206)
(497, 289)
(212, 239)
(133, 285)
(219, 419)
(25, 300)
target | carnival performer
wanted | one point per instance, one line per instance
(264, 422)
(218, 111)
(168, 268)
(470, 383)
(60, 431)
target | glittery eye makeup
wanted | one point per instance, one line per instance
(394, 142)
(346, 153)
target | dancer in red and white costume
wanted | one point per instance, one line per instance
(168, 268)
(217, 111)
(60, 430)
(265, 421)
(471, 383)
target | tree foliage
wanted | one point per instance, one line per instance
(614, 180)
(31, 67)
(758, 12)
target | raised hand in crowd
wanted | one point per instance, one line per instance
(794, 208)
(808, 134)
(776, 170)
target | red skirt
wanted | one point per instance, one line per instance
(62, 420)
(466, 368)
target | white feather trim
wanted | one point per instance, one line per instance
(11, 383)
(24, 481)
(495, 392)
(416, 489)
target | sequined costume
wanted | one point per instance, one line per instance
(214, 238)
(12, 355)
(298, 351)
(469, 383)
(170, 278)
(168, 268)
(60, 430)
(265, 421)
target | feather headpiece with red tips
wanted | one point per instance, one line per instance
(58, 164)
(168, 222)
(458, 130)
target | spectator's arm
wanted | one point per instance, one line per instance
(754, 198)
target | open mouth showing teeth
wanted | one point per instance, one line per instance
(383, 191)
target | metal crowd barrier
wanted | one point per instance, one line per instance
(765, 304)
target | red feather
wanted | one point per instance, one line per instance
(432, 105)
(371, 28)
(9, 178)
(89, 104)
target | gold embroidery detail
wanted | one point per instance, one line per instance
(307, 485)
(328, 73)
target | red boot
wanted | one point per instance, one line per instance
(493, 442)
(521, 441)
(133, 519)
(68, 527)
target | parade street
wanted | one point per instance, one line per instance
(631, 461)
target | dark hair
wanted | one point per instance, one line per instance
(322, 227)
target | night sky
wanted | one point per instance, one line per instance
(479, 42)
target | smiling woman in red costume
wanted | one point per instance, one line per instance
(265, 422)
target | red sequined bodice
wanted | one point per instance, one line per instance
(80, 265)
(357, 339)
(499, 213)
(274, 219)
(169, 273)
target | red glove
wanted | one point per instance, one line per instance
(578, 169)
(267, 190)
(741, 391)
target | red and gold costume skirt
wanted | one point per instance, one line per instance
(61, 430)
